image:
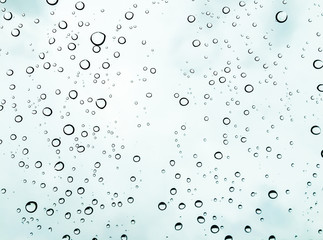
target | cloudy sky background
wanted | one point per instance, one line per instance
(283, 107)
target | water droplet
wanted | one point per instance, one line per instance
(200, 219)
(85, 64)
(68, 129)
(73, 94)
(315, 130)
(226, 10)
(52, 2)
(183, 101)
(162, 206)
(79, 5)
(71, 46)
(218, 155)
(247, 229)
(198, 203)
(59, 166)
(191, 18)
(130, 200)
(66, 237)
(320, 87)
(129, 15)
(31, 206)
(136, 158)
(88, 210)
(124, 237)
(214, 229)
(101, 103)
(68, 215)
(258, 211)
(226, 121)
(318, 64)
(29, 70)
(272, 194)
(196, 43)
(18, 118)
(178, 226)
(181, 206)
(173, 191)
(62, 25)
(56, 142)
(248, 88)
(281, 16)
(242, 4)
(38, 164)
(105, 65)
(122, 40)
(7, 16)
(97, 38)
(47, 111)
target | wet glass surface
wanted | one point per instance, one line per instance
(161, 120)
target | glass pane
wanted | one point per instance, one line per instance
(163, 119)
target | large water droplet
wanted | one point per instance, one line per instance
(318, 64)
(281, 16)
(178, 226)
(59, 166)
(79, 5)
(52, 2)
(315, 130)
(214, 229)
(272, 194)
(97, 38)
(50, 212)
(129, 15)
(85, 64)
(68, 129)
(162, 206)
(101, 103)
(88, 210)
(247, 229)
(31, 206)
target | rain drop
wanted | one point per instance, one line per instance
(315, 130)
(68, 129)
(214, 229)
(79, 5)
(272, 194)
(97, 38)
(85, 64)
(318, 64)
(101, 103)
(183, 101)
(247, 229)
(31, 206)
(191, 18)
(88, 210)
(129, 15)
(281, 16)
(178, 226)
(52, 2)
(50, 212)
(59, 166)
(162, 206)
